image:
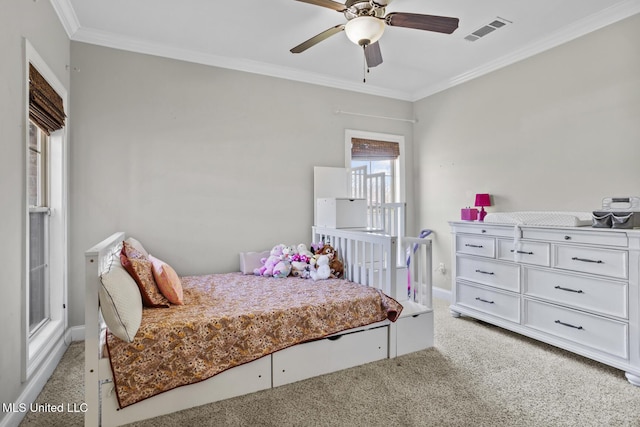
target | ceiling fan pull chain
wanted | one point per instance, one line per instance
(365, 69)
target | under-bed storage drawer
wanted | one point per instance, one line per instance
(329, 355)
(599, 333)
(505, 305)
(414, 333)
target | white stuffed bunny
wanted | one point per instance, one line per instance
(322, 270)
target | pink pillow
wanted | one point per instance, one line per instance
(140, 268)
(167, 280)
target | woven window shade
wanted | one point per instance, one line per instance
(45, 105)
(371, 148)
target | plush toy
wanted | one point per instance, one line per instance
(322, 270)
(302, 250)
(336, 266)
(270, 262)
(283, 267)
(316, 247)
(300, 265)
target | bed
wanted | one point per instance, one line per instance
(403, 325)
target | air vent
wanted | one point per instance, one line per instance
(487, 29)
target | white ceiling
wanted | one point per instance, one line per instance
(256, 35)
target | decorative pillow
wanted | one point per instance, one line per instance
(249, 261)
(139, 267)
(135, 244)
(120, 302)
(167, 280)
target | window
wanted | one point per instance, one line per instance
(37, 184)
(44, 287)
(376, 162)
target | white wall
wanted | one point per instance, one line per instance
(199, 162)
(558, 131)
(37, 22)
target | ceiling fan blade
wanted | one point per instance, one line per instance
(327, 3)
(317, 39)
(373, 55)
(440, 24)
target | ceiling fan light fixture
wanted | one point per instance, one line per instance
(364, 30)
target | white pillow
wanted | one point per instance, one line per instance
(251, 260)
(120, 302)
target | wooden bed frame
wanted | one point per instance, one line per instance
(369, 259)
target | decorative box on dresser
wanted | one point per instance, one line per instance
(576, 288)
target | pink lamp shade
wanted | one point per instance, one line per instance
(482, 200)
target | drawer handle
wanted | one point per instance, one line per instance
(335, 338)
(473, 246)
(597, 261)
(567, 237)
(569, 325)
(484, 300)
(484, 272)
(522, 252)
(579, 291)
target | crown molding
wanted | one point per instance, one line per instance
(585, 26)
(67, 16)
(76, 32)
(116, 41)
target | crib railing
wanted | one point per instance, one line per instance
(380, 260)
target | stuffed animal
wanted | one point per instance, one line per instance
(336, 266)
(302, 250)
(300, 265)
(270, 262)
(283, 267)
(316, 247)
(322, 270)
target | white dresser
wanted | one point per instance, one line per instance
(572, 287)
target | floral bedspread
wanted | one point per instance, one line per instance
(231, 319)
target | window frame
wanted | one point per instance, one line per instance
(39, 346)
(399, 178)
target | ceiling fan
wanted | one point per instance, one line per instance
(366, 21)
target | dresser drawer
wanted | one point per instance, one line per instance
(605, 335)
(536, 253)
(585, 293)
(499, 274)
(496, 303)
(605, 262)
(484, 229)
(587, 235)
(476, 245)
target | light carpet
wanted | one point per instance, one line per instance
(476, 375)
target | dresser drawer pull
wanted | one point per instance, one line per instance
(567, 237)
(579, 291)
(484, 300)
(522, 252)
(473, 246)
(569, 325)
(485, 272)
(597, 261)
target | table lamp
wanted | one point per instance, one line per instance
(482, 200)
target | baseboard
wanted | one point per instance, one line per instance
(77, 333)
(36, 383)
(440, 293)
